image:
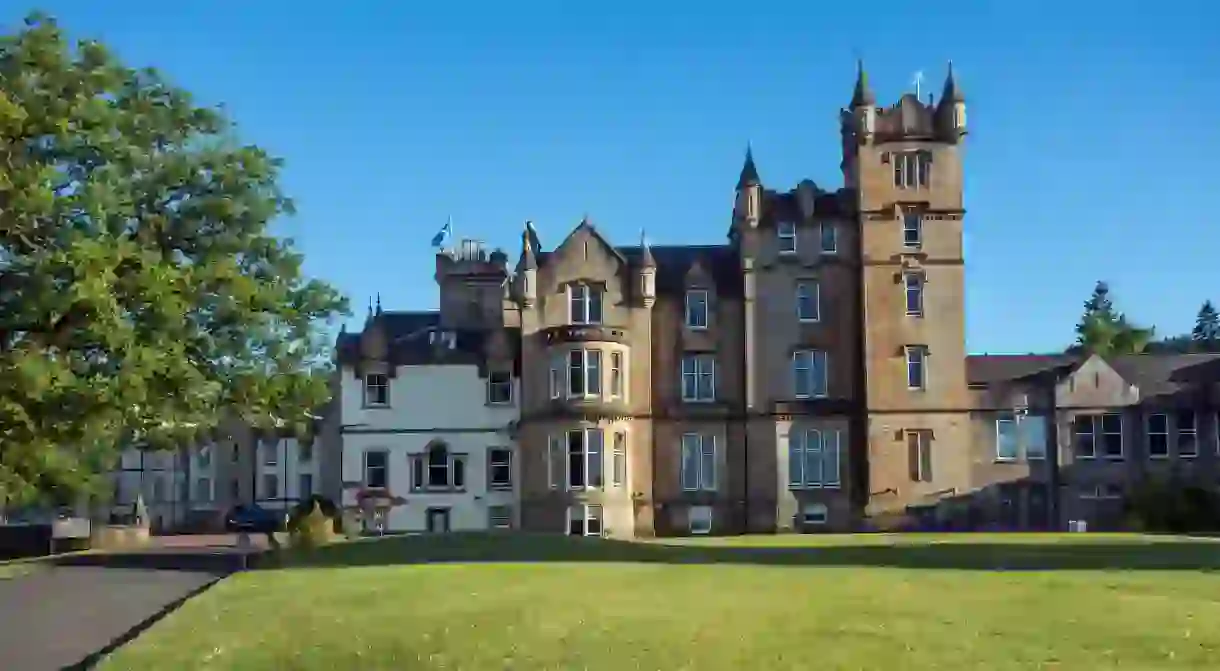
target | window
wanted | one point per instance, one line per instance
(698, 378)
(376, 469)
(696, 309)
(376, 389)
(1157, 427)
(234, 489)
(919, 454)
(912, 169)
(499, 388)
(305, 450)
(912, 231)
(158, 489)
(438, 467)
(500, 468)
(1017, 435)
(271, 453)
(814, 514)
(585, 304)
(585, 521)
(1103, 492)
(236, 453)
(204, 456)
(912, 284)
(203, 489)
(618, 465)
(813, 459)
(699, 519)
(500, 517)
(1033, 432)
(809, 373)
(555, 381)
(1091, 430)
(698, 462)
(585, 459)
(917, 366)
(554, 447)
(1007, 442)
(828, 236)
(1188, 434)
(271, 486)
(785, 235)
(808, 301)
(616, 374)
(304, 485)
(584, 372)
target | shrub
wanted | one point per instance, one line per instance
(313, 530)
(301, 510)
(1170, 505)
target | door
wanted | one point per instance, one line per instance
(437, 520)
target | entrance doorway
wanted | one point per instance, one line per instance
(437, 520)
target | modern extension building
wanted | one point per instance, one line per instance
(807, 373)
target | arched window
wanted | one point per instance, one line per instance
(438, 465)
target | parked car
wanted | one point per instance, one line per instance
(255, 519)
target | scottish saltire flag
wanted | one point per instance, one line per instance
(444, 234)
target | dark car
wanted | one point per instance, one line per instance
(254, 519)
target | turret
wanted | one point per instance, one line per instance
(529, 266)
(951, 112)
(749, 192)
(863, 106)
(647, 273)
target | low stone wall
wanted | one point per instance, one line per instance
(119, 537)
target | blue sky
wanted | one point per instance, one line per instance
(1093, 144)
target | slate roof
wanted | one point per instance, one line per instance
(982, 369)
(408, 341)
(673, 262)
(1154, 374)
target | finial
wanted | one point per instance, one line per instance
(862, 96)
(378, 302)
(370, 314)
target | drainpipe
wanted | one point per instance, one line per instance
(1052, 457)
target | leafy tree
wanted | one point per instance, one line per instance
(142, 296)
(1103, 330)
(1206, 333)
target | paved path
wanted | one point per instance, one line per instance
(62, 617)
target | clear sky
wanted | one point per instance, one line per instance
(1094, 134)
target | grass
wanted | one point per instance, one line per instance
(913, 602)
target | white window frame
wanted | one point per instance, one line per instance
(809, 292)
(589, 458)
(912, 222)
(699, 524)
(785, 237)
(618, 375)
(505, 385)
(582, 299)
(833, 237)
(912, 286)
(1162, 435)
(271, 493)
(557, 380)
(923, 445)
(818, 520)
(1099, 436)
(385, 468)
(1180, 433)
(694, 298)
(618, 463)
(586, 514)
(555, 447)
(271, 452)
(812, 356)
(1122, 447)
(1009, 419)
(383, 383)
(591, 374)
(205, 489)
(698, 367)
(1077, 434)
(916, 357)
(704, 447)
(506, 464)
(817, 446)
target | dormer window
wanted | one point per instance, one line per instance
(696, 308)
(376, 390)
(585, 304)
(912, 169)
(785, 235)
(912, 231)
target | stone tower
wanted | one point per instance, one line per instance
(904, 163)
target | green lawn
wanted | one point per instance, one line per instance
(485, 603)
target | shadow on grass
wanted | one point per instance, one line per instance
(202, 561)
(960, 552)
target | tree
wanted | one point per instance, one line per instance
(142, 297)
(1206, 333)
(1106, 332)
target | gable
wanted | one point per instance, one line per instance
(586, 245)
(1095, 383)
